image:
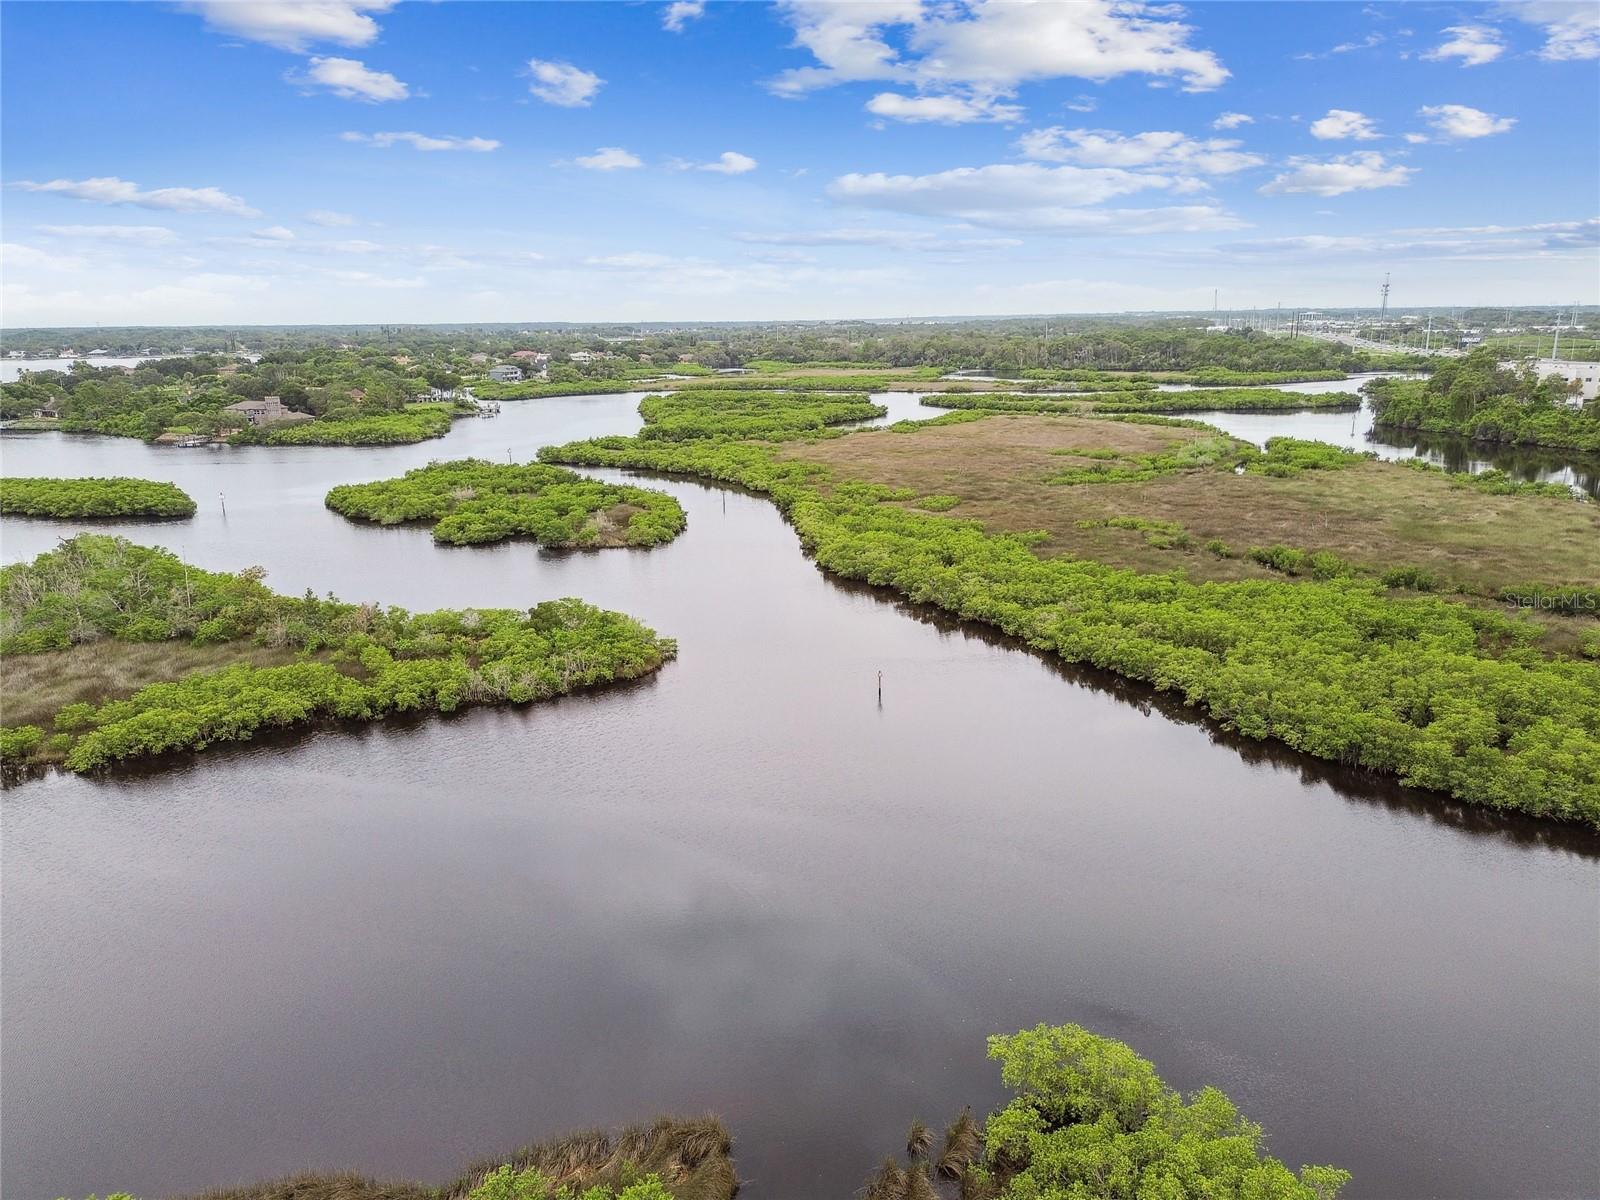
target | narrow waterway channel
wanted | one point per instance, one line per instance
(746, 886)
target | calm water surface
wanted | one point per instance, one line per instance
(746, 886)
(1355, 431)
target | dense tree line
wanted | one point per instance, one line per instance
(1204, 377)
(1091, 1120)
(342, 389)
(1445, 696)
(357, 661)
(472, 501)
(1476, 398)
(1209, 400)
(90, 498)
(537, 389)
(1107, 341)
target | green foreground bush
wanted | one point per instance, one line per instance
(1092, 1120)
(1445, 696)
(90, 498)
(360, 661)
(472, 501)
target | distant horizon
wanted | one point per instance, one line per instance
(1395, 310)
(445, 163)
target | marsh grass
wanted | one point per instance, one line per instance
(37, 686)
(692, 1156)
(1377, 516)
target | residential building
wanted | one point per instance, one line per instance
(267, 411)
(506, 374)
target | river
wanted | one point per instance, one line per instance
(1354, 429)
(12, 369)
(747, 886)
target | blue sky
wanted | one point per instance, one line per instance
(360, 161)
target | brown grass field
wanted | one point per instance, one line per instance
(37, 686)
(1374, 515)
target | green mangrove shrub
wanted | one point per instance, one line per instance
(1442, 695)
(471, 502)
(415, 423)
(693, 414)
(93, 498)
(356, 661)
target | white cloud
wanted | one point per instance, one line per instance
(1366, 43)
(989, 47)
(142, 235)
(1341, 123)
(424, 141)
(328, 218)
(350, 80)
(729, 162)
(636, 260)
(681, 12)
(1471, 243)
(1081, 104)
(275, 233)
(16, 255)
(1459, 122)
(1474, 45)
(942, 109)
(1357, 172)
(1030, 196)
(1232, 120)
(894, 239)
(1102, 148)
(108, 189)
(563, 84)
(293, 24)
(1572, 30)
(370, 279)
(609, 158)
(1589, 228)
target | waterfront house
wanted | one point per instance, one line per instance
(506, 374)
(267, 411)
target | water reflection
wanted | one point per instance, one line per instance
(1354, 430)
(744, 886)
